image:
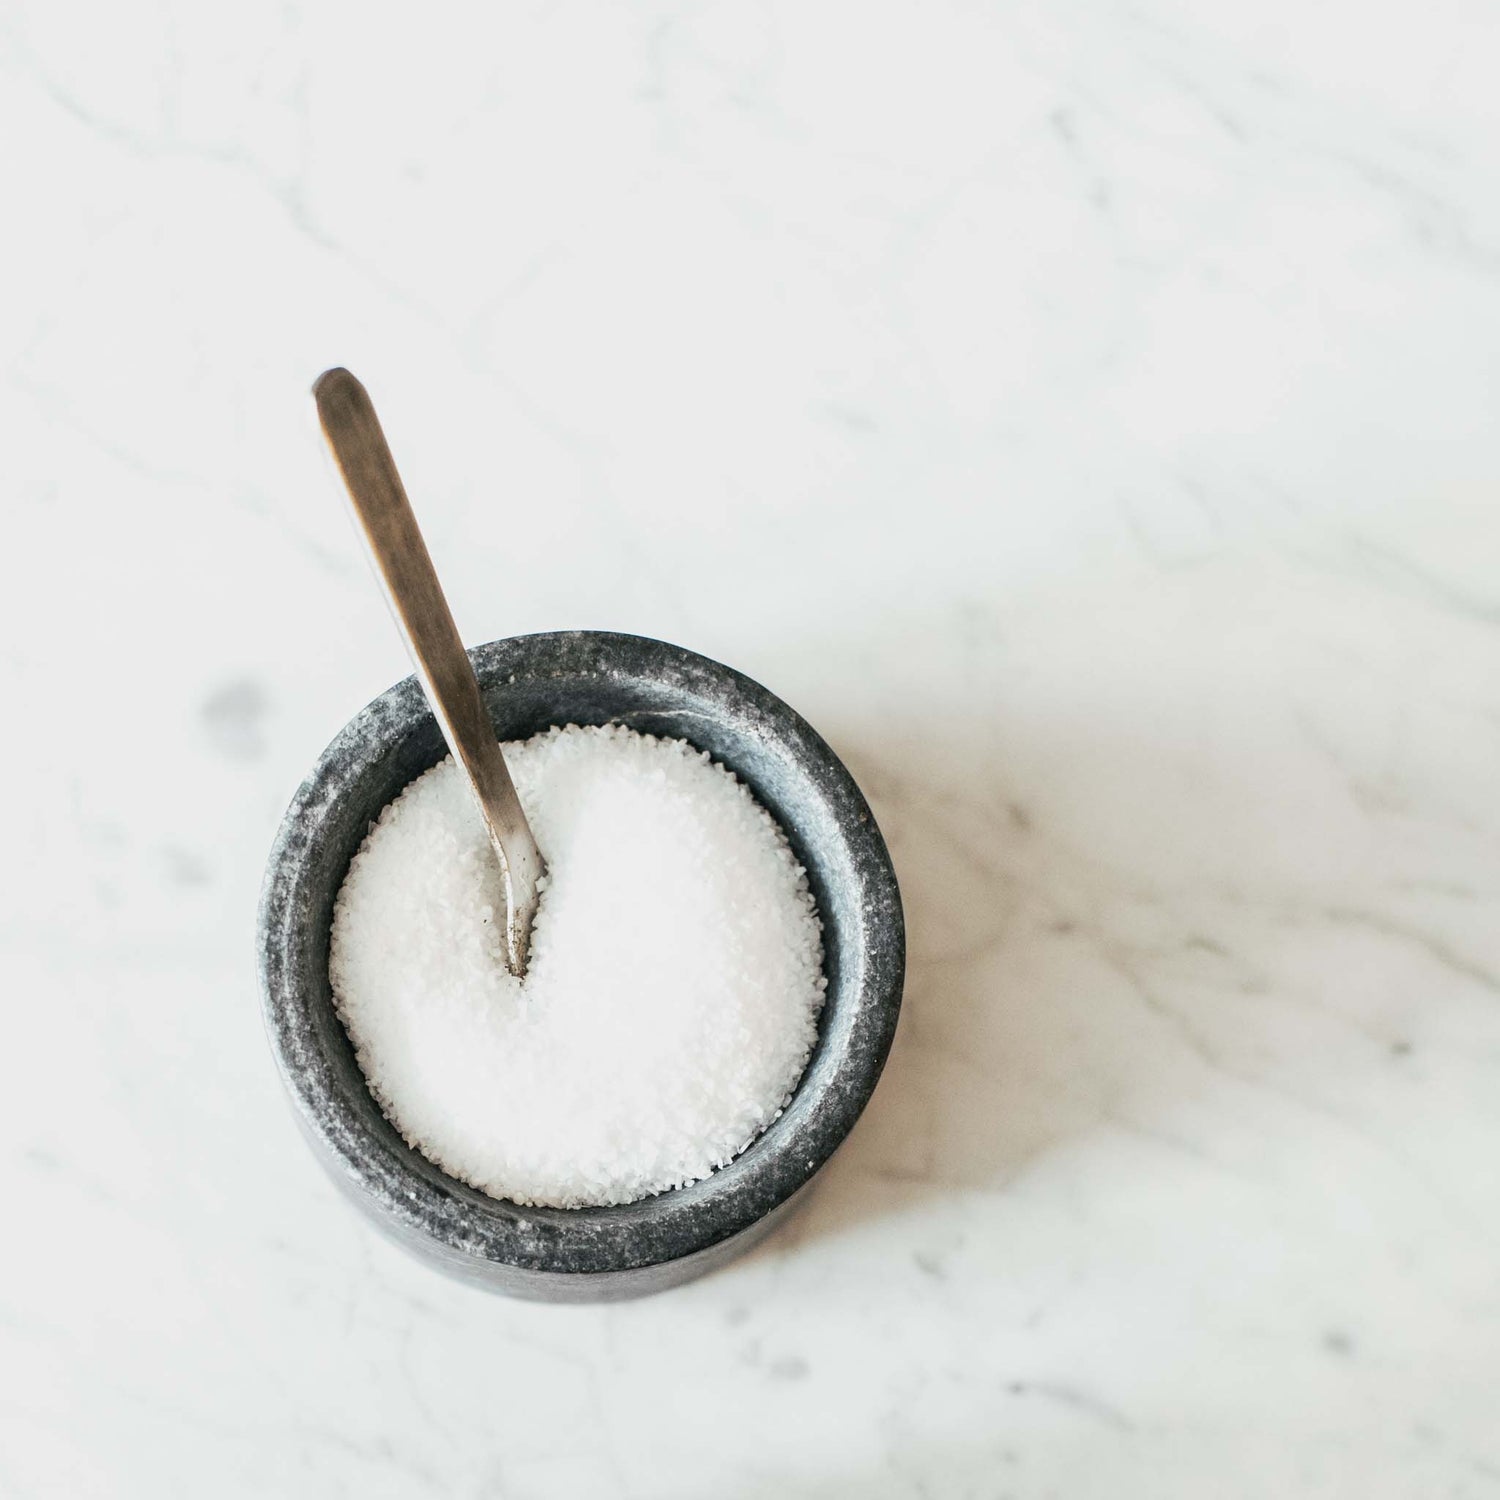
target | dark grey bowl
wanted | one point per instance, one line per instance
(586, 1254)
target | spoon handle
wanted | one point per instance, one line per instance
(416, 598)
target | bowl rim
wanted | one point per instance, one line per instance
(415, 1198)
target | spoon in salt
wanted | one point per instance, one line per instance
(416, 599)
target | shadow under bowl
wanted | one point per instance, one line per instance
(583, 1254)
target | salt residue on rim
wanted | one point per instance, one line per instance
(674, 988)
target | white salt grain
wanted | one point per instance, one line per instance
(674, 986)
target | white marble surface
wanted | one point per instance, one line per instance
(1087, 415)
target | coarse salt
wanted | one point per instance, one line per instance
(674, 986)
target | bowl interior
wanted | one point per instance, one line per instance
(529, 684)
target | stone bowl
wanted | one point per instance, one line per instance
(583, 1254)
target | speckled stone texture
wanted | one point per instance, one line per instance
(591, 1254)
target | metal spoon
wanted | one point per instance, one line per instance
(416, 599)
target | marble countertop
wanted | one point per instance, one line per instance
(1085, 415)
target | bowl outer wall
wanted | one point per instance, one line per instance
(529, 683)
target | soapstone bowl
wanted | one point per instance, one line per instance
(583, 1254)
